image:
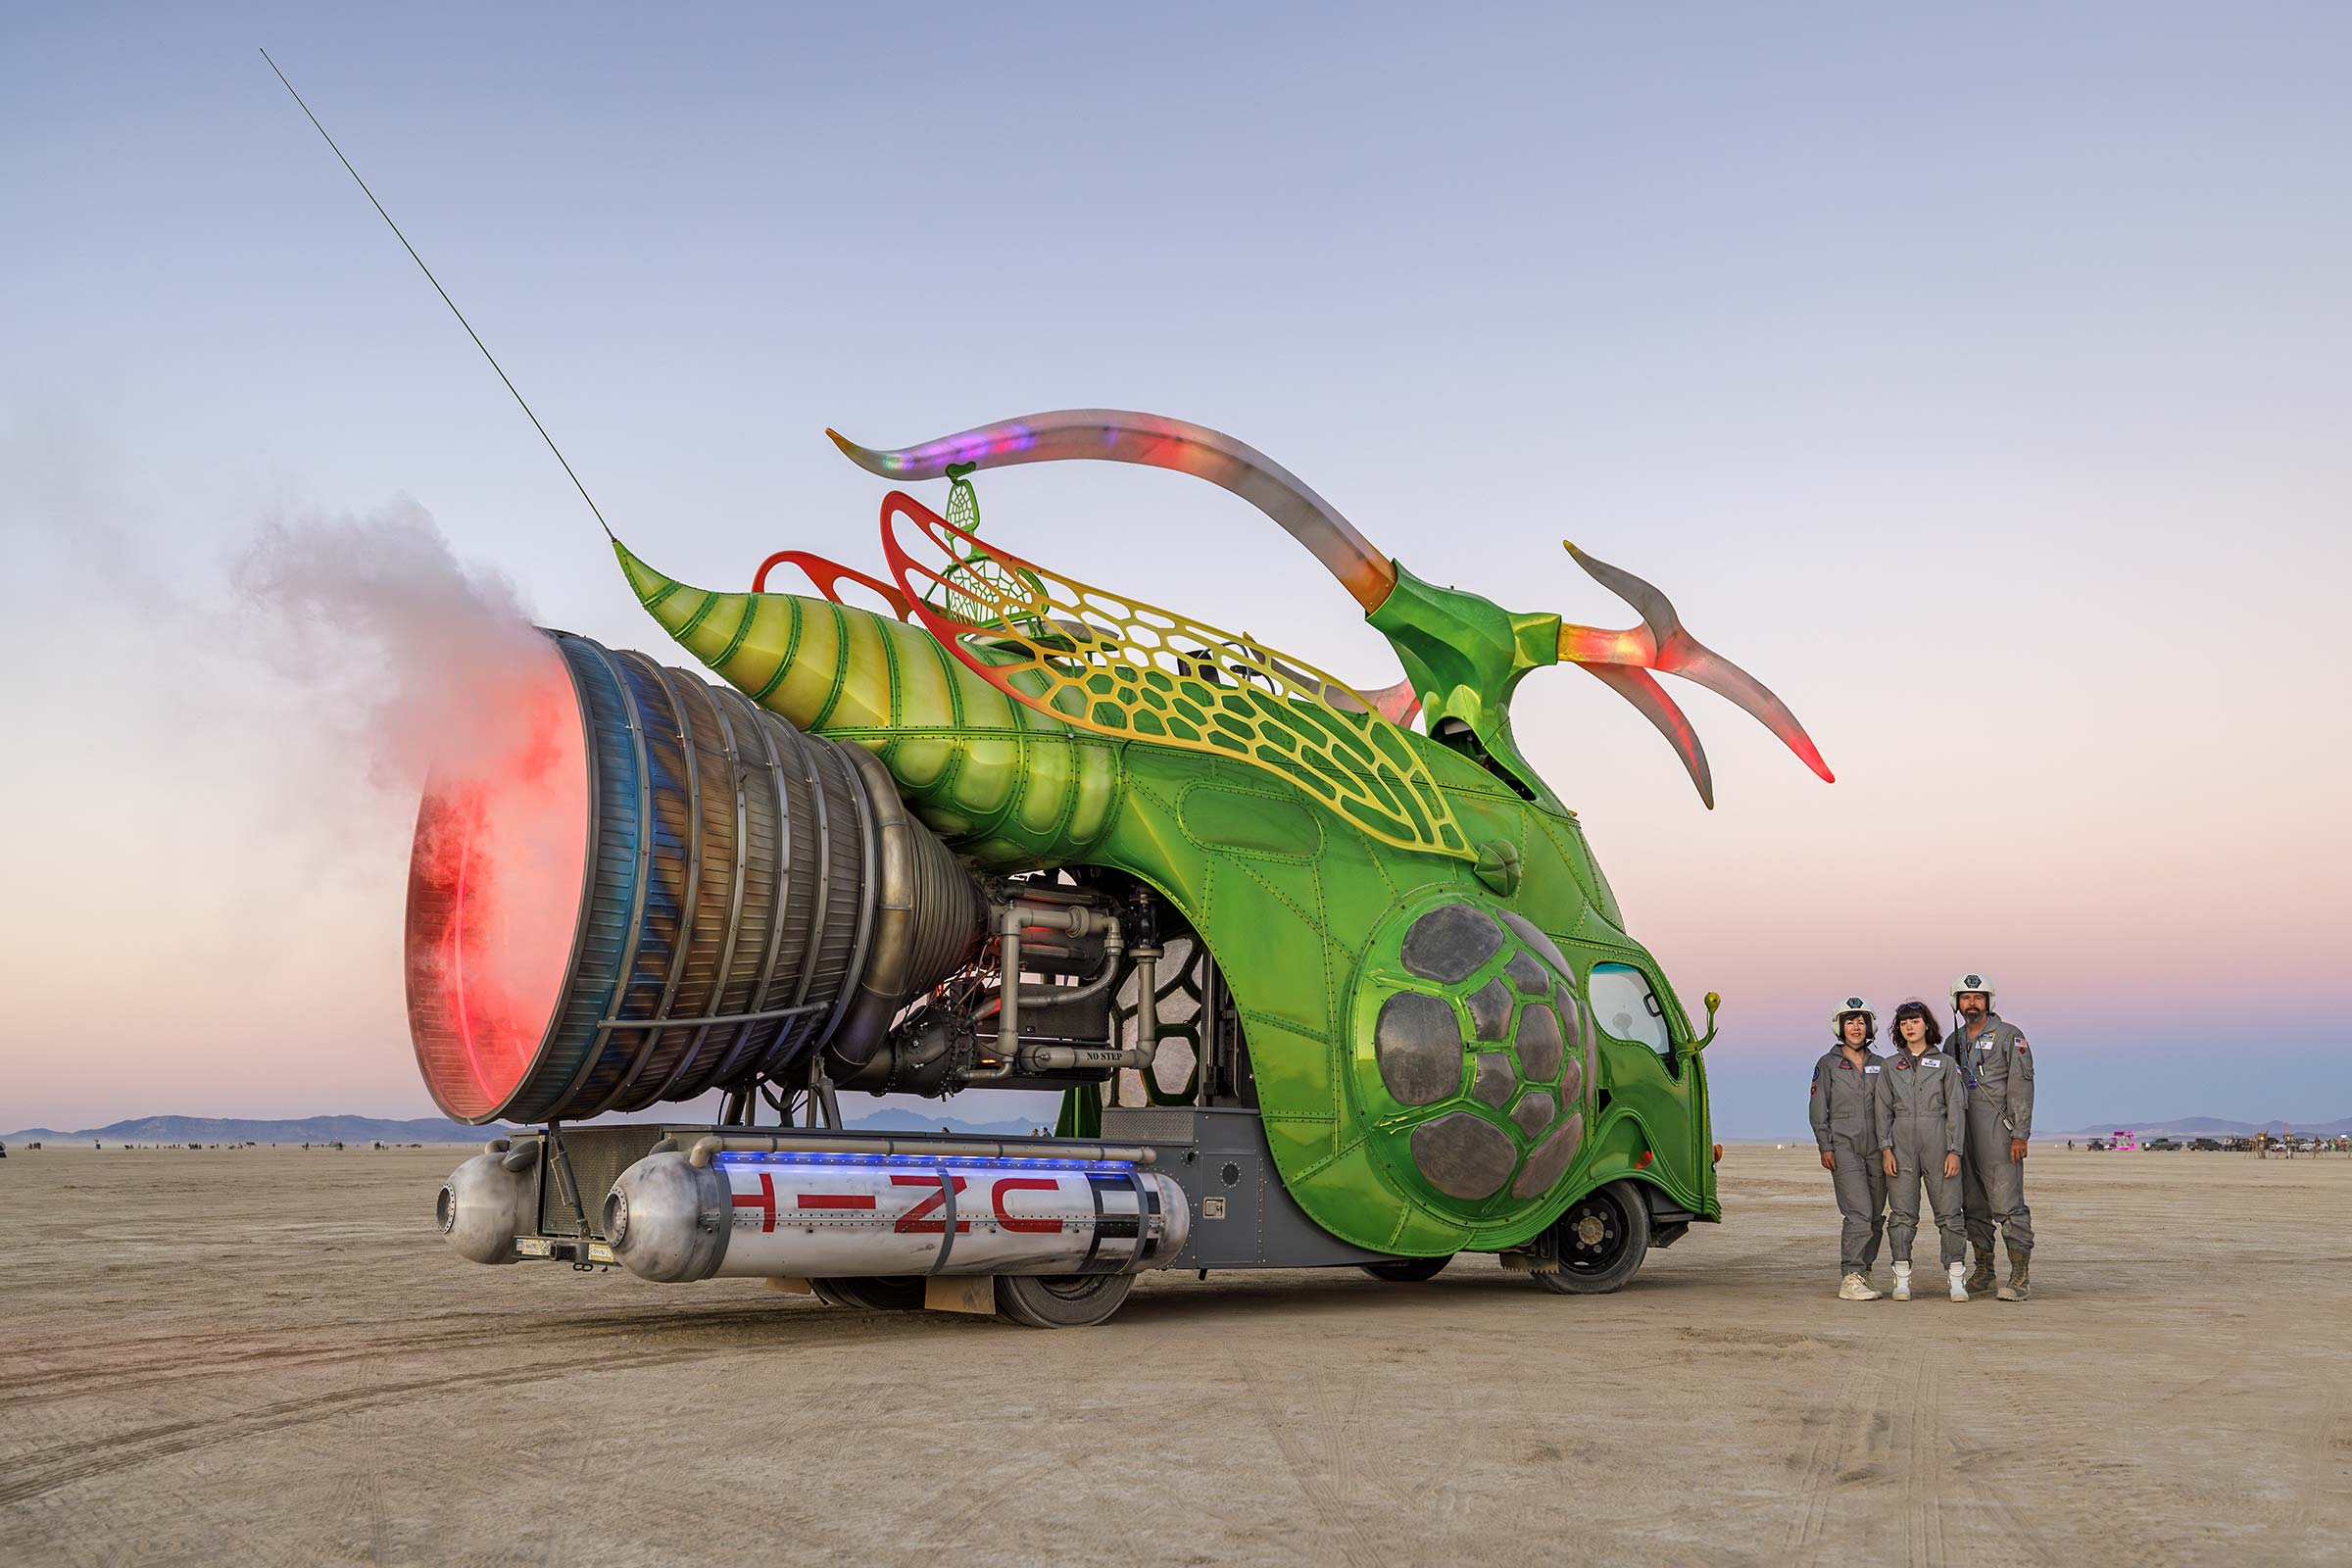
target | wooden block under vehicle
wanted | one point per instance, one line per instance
(961, 1293)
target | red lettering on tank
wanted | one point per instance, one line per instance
(912, 1223)
(765, 1202)
(835, 1200)
(1023, 1184)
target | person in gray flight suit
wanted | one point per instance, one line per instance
(2000, 1119)
(1922, 1123)
(1844, 1117)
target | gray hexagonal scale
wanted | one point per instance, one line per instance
(1539, 1042)
(1579, 1020)
(1464, 1156)
(1535, 1111)
(1418, 1044)
(1491, 1010)
(1491, 1079)
(1450, 942)
(1551, 1156)
(1536, 940)
(1528, 973)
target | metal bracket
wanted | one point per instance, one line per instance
(568, 1186)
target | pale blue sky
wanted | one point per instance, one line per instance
(1962, 375)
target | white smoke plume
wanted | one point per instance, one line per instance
(425, 660)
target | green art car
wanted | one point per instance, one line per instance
(1326, 975)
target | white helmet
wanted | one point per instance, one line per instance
(1973, 982)
(1847, 1008)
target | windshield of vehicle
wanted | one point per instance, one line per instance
(1628, 1010)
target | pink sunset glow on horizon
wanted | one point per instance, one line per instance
(1985, 405)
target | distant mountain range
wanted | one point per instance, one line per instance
(2214, 1126)
(239, 1130)
(420, 1130)
(891, 1119)
(888, 1119)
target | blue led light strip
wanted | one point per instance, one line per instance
(919, 1161)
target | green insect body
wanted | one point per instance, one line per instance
(1008, 786)
(1391, 1132)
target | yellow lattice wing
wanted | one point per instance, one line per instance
(1116, 666)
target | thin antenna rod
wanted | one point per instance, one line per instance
(452, 304)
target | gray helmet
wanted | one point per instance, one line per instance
(1973, 981)
(1847, 1010)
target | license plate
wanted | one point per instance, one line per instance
(534, 1247)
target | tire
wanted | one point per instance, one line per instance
(1602, 1238)
(1060, 1301)
(1407, 1270)
(881, 1293)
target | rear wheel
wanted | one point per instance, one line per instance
(1407, 1270)
(1060, 1301)
(880, 1293)
(1602, 1238)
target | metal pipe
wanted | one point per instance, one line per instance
(1008, 966)
(722, 1018)
(1039, 895)
(1141, 1055)
(1147, 1016)
(1013, 919)
(710, 1147)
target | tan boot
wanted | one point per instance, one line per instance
(1979, 1278)
(2017, 1288)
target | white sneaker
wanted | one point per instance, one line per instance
(1856, 1289)
(1959, 1274)
(1902, 1282)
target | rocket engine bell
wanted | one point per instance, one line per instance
(662, 890)
(816, 1216)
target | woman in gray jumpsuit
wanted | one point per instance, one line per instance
(1844, 1115)
(1923, 1125)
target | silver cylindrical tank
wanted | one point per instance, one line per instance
(827, 1216)
(485, 1204)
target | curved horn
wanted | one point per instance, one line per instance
(1661, 643)
(1116, 435)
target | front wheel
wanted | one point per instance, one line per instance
(1602, 1238)
(1060, 1301)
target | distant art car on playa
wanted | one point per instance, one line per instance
(1326, 975)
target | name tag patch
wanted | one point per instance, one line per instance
(1873, 1067)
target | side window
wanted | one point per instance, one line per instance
(1628, 1010)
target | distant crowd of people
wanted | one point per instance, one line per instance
(1949, 1118)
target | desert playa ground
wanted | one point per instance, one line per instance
(267, 1355)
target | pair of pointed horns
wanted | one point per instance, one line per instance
(1621, 660)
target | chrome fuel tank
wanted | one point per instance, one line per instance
(842, 1215)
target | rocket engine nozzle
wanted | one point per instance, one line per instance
(661, 889)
